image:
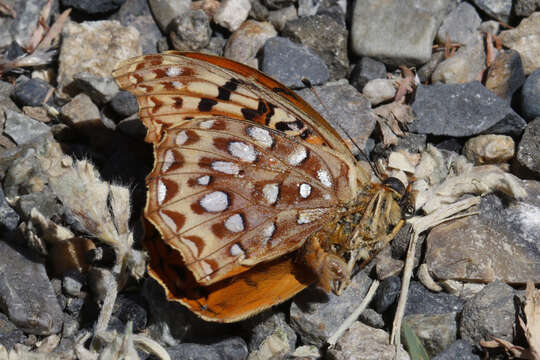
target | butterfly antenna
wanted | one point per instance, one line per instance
(308, 85)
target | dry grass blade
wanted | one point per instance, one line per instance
(43, 54)
(38, 58)
(490, 51)
(7, 10)
(332, 340)
(54, 31)
(419, 225)
(41, 28)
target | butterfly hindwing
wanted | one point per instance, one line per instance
(229, 194)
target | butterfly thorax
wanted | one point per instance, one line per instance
(359, 230)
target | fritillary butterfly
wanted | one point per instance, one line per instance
(253, 195)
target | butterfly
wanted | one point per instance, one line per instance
(253, 195)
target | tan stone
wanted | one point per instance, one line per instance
(489, 149)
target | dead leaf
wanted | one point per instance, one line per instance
(54, 31)
(41, 28)
(407, 84)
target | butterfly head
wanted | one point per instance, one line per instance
(402, 194)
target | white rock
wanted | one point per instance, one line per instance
(232, 13)
(379, 90)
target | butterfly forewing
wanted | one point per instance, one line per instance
(175, 86)
(229, 194)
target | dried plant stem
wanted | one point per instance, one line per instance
(419, 225)
(355, 314)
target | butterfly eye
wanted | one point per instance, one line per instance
(408, 211)
(396, 185)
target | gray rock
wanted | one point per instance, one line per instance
(500, 243)
(72, 283)
(99, 89)
(246, 42)
(190, 31)
(524, 7)
(137, 13)
(31, 92)
(505, 75)
(387, 293)
(258, 11)
(26, 294)
(336, 9)
(6, 90)
(458, 350)
(21, 28)
(9, 219)
(22, 129)
(233, 348)
(345, 106)
(529, 148)
(81, 111)
(216, 46)
(9, 333)
(365, 70)
(172, 322)
(413, 143)
(372, 318)
(124, 104)
(93, 7)
(498, 9)
(463, 110)
(460, 25)
(94, 47)
(165, 11)
(465, 65)
(265, 325)
(364, 342)
(278, 4)
(71, 326)
(396, 32)
(315, 315)
(280, 17)
(423, 301)
(525, 39)
(308, 7)
(530, 93)
(24, 177)
(280, 52)
(436, 332)
(326, 37)
(491, 313)
(425, 72)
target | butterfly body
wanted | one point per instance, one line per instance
(253, 196)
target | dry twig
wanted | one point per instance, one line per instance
(419, 225)
(332, 340)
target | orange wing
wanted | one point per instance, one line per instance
(229, 300)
